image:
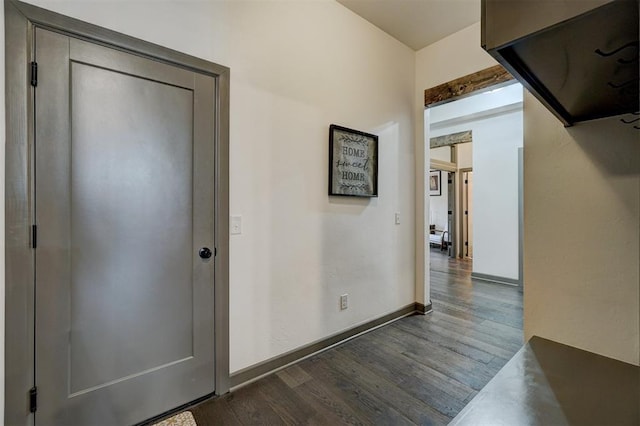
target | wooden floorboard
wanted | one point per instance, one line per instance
(422, 369)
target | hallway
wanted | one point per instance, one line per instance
(418, 370)
(440, 262)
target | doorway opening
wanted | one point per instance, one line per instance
(475, 144)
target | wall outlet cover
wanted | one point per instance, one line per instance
(236, 225)
(344, 301)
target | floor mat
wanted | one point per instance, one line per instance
(183, 419)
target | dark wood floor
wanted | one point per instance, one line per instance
(422, 369)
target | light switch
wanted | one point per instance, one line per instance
(236, 225)
(397, 218)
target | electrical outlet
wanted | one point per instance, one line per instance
(344, 302)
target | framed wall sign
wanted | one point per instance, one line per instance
(435, 184)
(353, 162)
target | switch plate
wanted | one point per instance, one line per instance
(397, 218)
(236, 225)
(344, 302)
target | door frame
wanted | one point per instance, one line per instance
(20, 21)
(464, 220)
(452, 213)
(485, 79)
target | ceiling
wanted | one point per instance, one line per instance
(417, 23)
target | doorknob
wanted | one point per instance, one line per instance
(205, 252)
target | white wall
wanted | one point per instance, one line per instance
(464, 155)
(452, 57)
(442, 153)
(440, 203)
(296, 67)
(496, 140)
(495, 195)
(582, 233)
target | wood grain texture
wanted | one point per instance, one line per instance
(452, 139)
(421, 369)
(250, 373)
(19, 256)
(466, 85)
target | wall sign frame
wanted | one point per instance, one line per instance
(435, 183)
(353, 162)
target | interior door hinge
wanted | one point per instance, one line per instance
(34, 236)
(33, 399)
(34, 74)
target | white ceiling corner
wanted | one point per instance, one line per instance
(417, 23)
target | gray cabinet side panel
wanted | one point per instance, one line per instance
(506, 21)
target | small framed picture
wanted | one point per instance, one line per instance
(435, 183)
(353, 162)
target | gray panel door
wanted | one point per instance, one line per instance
(124, 156)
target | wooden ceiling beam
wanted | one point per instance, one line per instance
(460, 87)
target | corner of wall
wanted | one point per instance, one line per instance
(582, 233)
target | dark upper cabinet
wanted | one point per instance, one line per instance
(579, 58)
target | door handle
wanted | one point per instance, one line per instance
(205, 252)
